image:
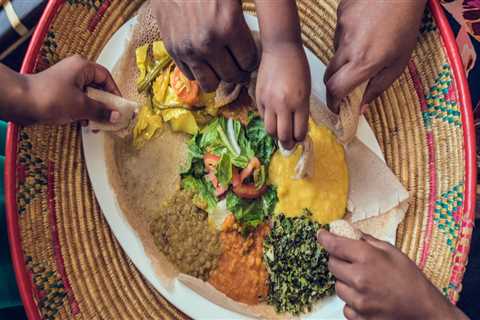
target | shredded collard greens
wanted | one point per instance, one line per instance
(297, 265)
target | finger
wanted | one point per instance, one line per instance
(345, 80)
(97, 111)
(226, 68)
(351, 314)
(300, 127)
(337, 38)
(345, 292)
(271, 123)
(261, 110)
(382, 245)
(243, 48)
(185, 69)
(342, 248)
(284, 129)
(338, 60)
(204, 74)
(343, 271)
(178, 61)
(381, 82)
(100, 76)
(363, 108)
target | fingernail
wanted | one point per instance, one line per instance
(114, 116)
(363, 108)
(321, 234)
(365, 236)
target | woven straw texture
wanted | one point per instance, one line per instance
(78, 269)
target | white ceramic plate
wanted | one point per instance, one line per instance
(181, 296)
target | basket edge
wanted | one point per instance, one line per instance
(18, 260)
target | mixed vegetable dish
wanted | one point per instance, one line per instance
(222, 225)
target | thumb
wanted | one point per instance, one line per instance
(381, 82)
(98, 112)
(379, 244)
(344, 81)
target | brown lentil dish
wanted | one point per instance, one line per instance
(240, 272)
(182, 232)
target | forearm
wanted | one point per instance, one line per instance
(15, 104)
(279, 23)
(457, 314)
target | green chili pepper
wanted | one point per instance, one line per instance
(153, 74)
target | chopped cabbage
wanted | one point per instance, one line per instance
(184, 123)
(159, 50)
(141, 54)
(147, 125)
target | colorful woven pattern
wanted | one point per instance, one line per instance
(440, 103)
(446, 214)
(76, 267)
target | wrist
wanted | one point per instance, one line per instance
(457, 314)
(16, 100)
(26, 106)
(444, 310)
(283, 46)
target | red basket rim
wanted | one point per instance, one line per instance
(21, 273)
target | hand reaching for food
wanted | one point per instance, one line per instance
(57, 95)
(373, 43)
(377, 281)
(283, 93)
(209, 40)
(283, 83)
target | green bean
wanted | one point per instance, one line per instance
(160, 106)
(153, 74)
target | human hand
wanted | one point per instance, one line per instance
(209, 40)
(377, 281)
(283, 92)
(57, 95)
(373, 42)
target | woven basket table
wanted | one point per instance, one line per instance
(68, 264)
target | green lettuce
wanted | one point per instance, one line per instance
(252, 140)
(224, 170)
(251, 213)
(204, 191)
(261, 142)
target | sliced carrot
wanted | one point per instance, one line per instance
(186, 90)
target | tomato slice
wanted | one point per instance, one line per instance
(249, 191)
(185, 89)
(219, 189)
(254, 164)
(210, 160)
(243, 190)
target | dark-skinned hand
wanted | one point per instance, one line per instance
(373, 43)
(209, 40)
(283, 93)
(377, 281)
(57, 95)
